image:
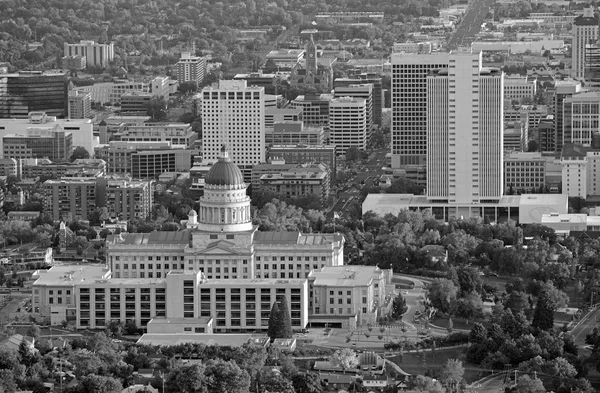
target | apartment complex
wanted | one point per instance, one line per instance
(80, 105)
(190, 68)
(126, 199)
(96, 55)
(410, 104)
(233, 114)
(33, 91)
(54, 144)
(585, 31)
(68, 199)
(348, 123)
(464, 103)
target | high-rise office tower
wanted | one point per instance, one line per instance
(233, 114)
(348, 123)
(562, 90)
(377, 90)
(464, 131)
(33, 91)
(364, 91)
(585, 31)
(409, 106)
(190, 68)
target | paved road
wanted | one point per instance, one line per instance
(585, 327)
(471, 23)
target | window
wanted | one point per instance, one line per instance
(364, 299)
(348, 301)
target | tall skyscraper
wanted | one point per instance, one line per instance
(33, 91)
(191, 68)
(464, 131)
(585, 31)
(233, 115)
(409, 106)
(364, 91)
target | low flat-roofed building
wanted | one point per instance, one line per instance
(230, 340)
(563, 224)
(54, 290)
(23, 215)
(286, 59)
(525, 209)
(285, 345)
(163, 325)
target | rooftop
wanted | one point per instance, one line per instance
(233, 340)
(254, 282)
(295, 238)
(152, 238)
(344, 276)
(178, 321)
(70, 274)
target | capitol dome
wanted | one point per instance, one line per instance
(224, 172)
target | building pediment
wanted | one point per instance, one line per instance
(221, 247)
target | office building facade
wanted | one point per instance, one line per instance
(348, 123)
(409, 106)
(55, 144)
(585, 31)
(524, 173)
(127, 199)
(233, 114)
(464, 103)
(364, 78)
(364, 91)
(581, 118)
(33, 91)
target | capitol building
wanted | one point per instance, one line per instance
(218, 275)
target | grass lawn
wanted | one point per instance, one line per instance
(431, 363)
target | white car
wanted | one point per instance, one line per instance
(405, 292)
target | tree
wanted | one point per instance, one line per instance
(452, 375)
(549, 299)
(525, 384)
(274, 330)
(274, 381)
(307, 383)
(187, 379)
(442, 294)
(34, 331)
(285, 319)
(226, 377)
(157, 108)
(398, 307)
(100, 384)
(115, 328)
(345, 358)
(427, 384)
(79, 152)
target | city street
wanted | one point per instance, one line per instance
(470, 24)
